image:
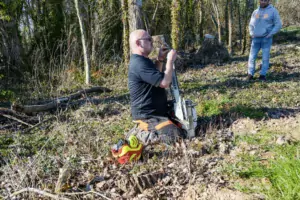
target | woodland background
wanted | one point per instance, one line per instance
(41, 41)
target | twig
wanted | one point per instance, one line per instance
(101, 195)
(16, 119)
(7, 126)
(36, 125)
(81, 193)
(41, 192)
(124, 107)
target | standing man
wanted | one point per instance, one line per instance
(265, 22)
(147, 83)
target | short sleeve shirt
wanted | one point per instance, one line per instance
(147, 98)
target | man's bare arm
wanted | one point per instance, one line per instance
(165, 83)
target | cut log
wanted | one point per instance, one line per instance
(182, 60)
(28, 109)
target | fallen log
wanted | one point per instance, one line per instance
(28, 109)
(7, 112)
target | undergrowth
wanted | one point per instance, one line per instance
(82, 138)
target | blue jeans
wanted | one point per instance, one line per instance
(257, 44)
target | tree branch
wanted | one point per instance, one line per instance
(34, 190)
(93, 192)
(16, 119)
(57, 102)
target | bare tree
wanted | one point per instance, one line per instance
(217, 12)
(94, 30)
(135, 15)
(238, 6)
(175, 14)
(11, 47)
(226, 22)
(249, 6)
(230, 22)
(85, 53)
(125, 30)
(201, 17)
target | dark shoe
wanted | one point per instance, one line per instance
(249, 77)
(262, 78)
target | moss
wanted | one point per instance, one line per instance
(175, 20)
(125, 18)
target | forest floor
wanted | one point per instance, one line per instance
(247, 146)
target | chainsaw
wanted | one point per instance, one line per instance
(184, 110)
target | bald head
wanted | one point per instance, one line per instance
(140, 43)
(134, 36)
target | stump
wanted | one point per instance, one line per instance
(211, 52)
(158, 41)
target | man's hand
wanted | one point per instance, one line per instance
(172, 55)
(169, 69)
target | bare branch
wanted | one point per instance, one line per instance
(82, 193)
(59, 101)
(16, 119)
(154, 14)
(34, 190)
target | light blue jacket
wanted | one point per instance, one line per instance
(265, 22)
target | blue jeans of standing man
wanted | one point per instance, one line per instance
(257, 44)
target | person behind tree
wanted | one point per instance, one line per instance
(265, 22)
(147, 83)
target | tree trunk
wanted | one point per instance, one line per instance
(230, 22)
(151, 24)
(125, 17)
(249, 6)
(240, 24)
(201, 16)
(95, 36)
(85, 53)
(226, 16)
(175, 19)
(135, 15)
(216, 9)
(11, 47)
